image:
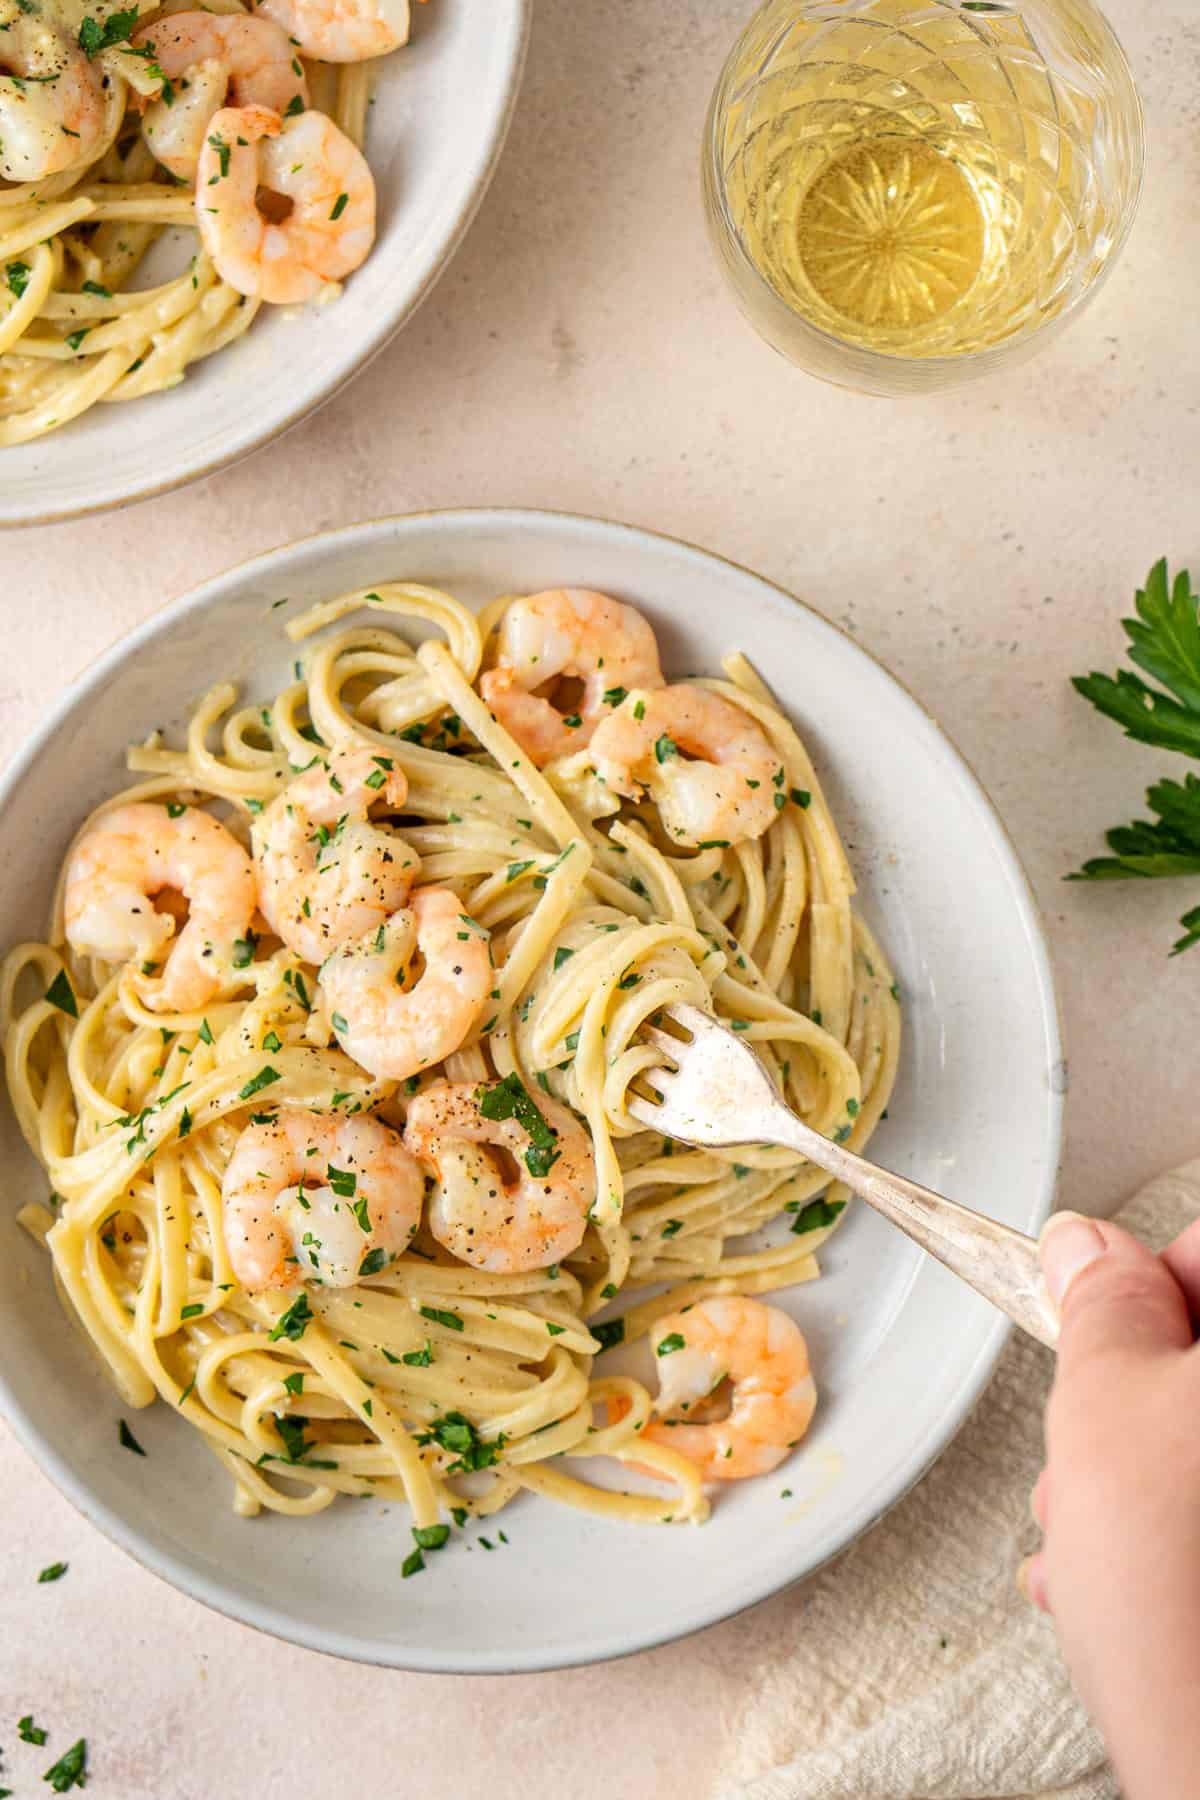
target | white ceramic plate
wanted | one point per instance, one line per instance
(900, 1348)
(442, 107)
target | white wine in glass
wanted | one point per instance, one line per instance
(905, 194)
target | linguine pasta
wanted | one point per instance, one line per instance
(430, 1381)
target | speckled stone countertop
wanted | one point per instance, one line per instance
(582, 354)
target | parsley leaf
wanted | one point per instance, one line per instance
(95, 36)
(294, 1322)
(816, 1215)
(451, 1320)
(127, 1438)
(71, 1768)
(1164, 640)
(510, 1099)
(60, 993)
(55, 1572)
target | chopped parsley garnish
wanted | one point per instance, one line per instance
(455, 1433)
(416, 1359)
(128, 1440)
(613, 1332)
(294, 107)
(60, 993)
(671, 1227)
(55, 1572)
(510, 1099)
(71, 1768)
(103, 293)
(373, 1261)
(116, 29)
(613, 696)
(413, 1563)
(339, 206)
(359, 1209)
(801, 796)
(294, 1383)
(639, 710)
(852, 1108)
(191, 1312)
(29, 1733)
(562, 955)
(714, 844)
(258, 1082)
(17, 275)
(841, 1134)
(243, 951)
(294, 1322)
(290, 1427)
(223, 152)
(816, 1215)
(75, 338)
(205, 1033)
(343, 1183)
(573, 721)
(451, 1320)
(555, 1330)
(431, 1537)
(515, 870)
(668, 1345)
(608, 1291)
(664, 748)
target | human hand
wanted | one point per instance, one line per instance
(1119, 1499)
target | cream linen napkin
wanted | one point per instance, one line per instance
(911, 1669)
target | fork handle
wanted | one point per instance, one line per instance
(998, 1262)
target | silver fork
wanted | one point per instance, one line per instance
(715, 1091)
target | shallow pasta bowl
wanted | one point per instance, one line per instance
(436, 127)
(900, 1348)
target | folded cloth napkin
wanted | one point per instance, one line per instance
(911, 1669)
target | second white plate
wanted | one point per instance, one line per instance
(440, 111)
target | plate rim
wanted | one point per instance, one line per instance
(371, 345)
(219, 1595)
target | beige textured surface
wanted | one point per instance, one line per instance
(924, 1674)
(581, 354)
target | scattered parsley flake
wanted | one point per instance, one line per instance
(60, 993)
(128, 1440)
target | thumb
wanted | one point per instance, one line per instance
(1113, 1294)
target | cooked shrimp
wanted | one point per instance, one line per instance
(727, 793)
(763, 1355)
(310, 1197)
(326, 872)
(572, 633)
(53, 101)
(340, 31)
(309, 162)
(395, 1031)
(137, 851)
(210, 60)
(476, 1211)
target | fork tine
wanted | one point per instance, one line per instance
(662, 1040)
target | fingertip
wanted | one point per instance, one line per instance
(1068, 1245)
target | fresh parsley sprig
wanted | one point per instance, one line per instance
(1164, 640)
